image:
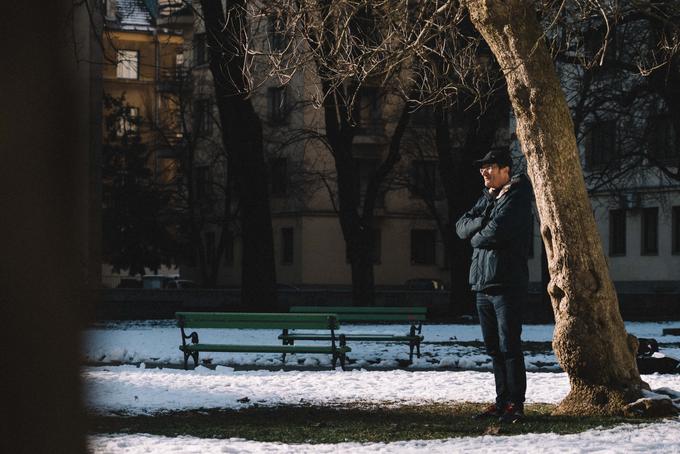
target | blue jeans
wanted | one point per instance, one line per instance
(500, 316)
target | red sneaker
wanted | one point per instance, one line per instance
(513, 413)
(492, 411)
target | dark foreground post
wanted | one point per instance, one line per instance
(48, 200)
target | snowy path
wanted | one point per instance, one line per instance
(133, 390)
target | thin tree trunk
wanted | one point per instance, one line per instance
(242, 137)
(590, 340)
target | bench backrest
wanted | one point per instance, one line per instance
(256, 320)
(367, 313)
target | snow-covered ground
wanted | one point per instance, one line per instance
(655, 438)
(133, 390)
(444, 347)
(437, 377)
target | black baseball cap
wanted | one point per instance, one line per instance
(500, 157)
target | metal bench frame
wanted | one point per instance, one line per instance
(415, 315)
(224, 320)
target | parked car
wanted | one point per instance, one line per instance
(424, 284)
(129, 282)
(154, 281)
(181, 284)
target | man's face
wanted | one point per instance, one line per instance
(495, 177)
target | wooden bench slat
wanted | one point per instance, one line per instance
(359, 309)
(412, 315)
(356, 317)
(254, 320)
(354, 337)
(244, 348)
(367, 314)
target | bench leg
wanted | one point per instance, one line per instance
(339, 356)
(418, 348)
(411, 345)
(283, 359)
(193, 355)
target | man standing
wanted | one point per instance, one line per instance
(499, 230)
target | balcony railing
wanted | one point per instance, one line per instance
(174, 80)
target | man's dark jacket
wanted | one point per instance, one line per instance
(499, 230)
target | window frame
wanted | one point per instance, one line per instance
(278, 168)
(644, 231)
(415, 259)
(287, 245)
(606, 151)
(675, 230)
(277, 99)
(203, 119)
(422, 168)
(621, 228)
(125, 64)
(200, 48)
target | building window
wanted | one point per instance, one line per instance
(229, 248)
(661, 139)
(179, 65)
(277, 35)
(601, 145)
(617, 232)
(650, 231)
(287, 245)
(367, 169)
(200, 49)
(203, 121)
(278, 111)
(127, 64)
(424, 179)
(367, 110)
(128, 123)
(423, 247)
(279, 176)
(676, 230)
(203, 183)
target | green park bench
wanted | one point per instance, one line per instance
(243, 320)
(413, 315)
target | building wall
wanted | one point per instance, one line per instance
(633, 271)
(156, 103)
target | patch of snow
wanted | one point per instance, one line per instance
(658, 437)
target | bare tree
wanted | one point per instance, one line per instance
(390, 48)
(590, 340)
(227, 34)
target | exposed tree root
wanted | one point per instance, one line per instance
(598, 400)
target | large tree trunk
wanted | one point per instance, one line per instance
(242, 137)
(590, 340)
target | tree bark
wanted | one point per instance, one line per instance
(242, 137)
(590, 340)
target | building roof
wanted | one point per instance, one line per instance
(139, 16)
(133, 15)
